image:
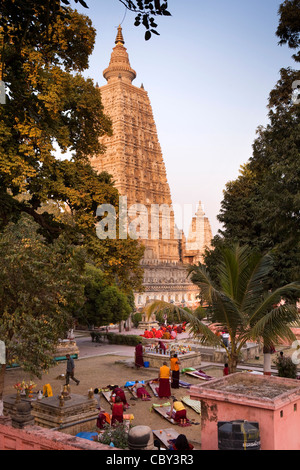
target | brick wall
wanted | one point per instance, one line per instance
(37, 438)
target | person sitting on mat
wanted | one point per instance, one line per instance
(178, 412)
(118, 392)
(117, 409)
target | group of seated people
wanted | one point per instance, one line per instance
(119, 405)
(165, 331)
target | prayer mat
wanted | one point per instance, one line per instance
(194, 404)
(199, 374)
(184, 384)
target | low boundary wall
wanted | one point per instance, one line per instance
(37, 438)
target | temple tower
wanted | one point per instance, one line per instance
(134, 157)
(199, 238)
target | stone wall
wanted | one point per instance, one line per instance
(37, 438)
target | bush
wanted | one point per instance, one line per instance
(286, 367)
(136, 318)
(118, 435)
(129, 340)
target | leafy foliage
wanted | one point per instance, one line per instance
(51, 106)
(40, 286)
(289, 25)
(146, 11)
(104, 303)
(23, 13)
(261, 208)
(286, 367)
(118, 435)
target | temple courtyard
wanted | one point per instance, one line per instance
(102, 364)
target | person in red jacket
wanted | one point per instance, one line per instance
(117, 411)
(119, 392)
(226, 369)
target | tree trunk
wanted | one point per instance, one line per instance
(267, 363)
(232, 363)
(267, 350)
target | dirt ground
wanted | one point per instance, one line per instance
(100, 371)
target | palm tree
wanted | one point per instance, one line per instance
(240, 303)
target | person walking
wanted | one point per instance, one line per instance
(70, 370)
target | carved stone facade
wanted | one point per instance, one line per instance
(133, 156)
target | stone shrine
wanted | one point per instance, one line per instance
(72, 414)
(69, 413)
(134, 158)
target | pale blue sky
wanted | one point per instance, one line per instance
(208, 76)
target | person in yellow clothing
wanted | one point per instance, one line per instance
(178, 411)
(174, 361)
(164, 389)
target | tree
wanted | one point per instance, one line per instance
(22, 13)
(104, 303)
(41, 285)
(146, 11)
(261, 207)
(51, 106)
(240, 303)
(289, 25)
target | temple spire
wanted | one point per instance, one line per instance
(119, 66)
(119, 38)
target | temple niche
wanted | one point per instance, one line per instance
(134, 158)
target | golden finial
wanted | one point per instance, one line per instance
(119, 38)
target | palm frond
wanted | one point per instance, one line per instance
(270, 300)
(226, 312)
(275, 325)
(259, 269)
(224, 307)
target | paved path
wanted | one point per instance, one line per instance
(87, 348)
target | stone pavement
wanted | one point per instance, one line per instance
(87, 348)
